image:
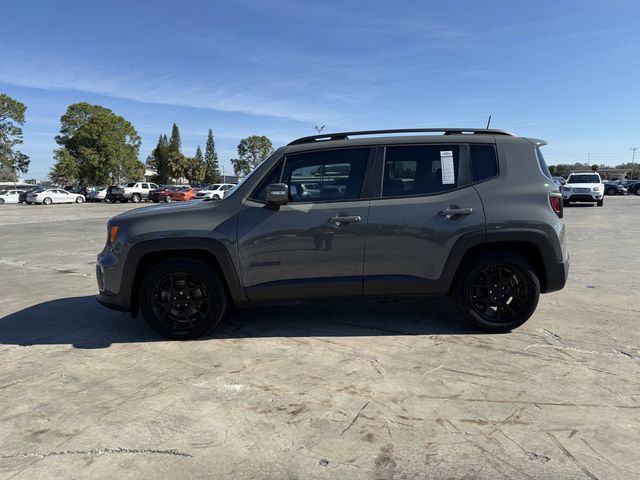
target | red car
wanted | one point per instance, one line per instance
(162, 194)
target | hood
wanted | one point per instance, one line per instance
(581, 185)
(164, 209)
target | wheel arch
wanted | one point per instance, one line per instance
(144, 256)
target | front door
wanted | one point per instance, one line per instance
(314, 245)
(426, 203)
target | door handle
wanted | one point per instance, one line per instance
(456, 211)
(345, 219)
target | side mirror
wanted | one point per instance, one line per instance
(277, 194)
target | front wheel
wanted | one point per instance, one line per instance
(612, 191)
(79, 200)
(600, 203)
(135, 198)
(216, 197)
(182, 298)
(1, 200)
(498, 292)
(47, 201)
(168, 199)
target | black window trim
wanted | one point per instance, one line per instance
(464, 170)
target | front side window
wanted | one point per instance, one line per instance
(420, 170)
(330, 175)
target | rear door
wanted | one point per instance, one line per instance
(425, 203)
(314, 245)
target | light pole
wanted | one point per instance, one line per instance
(318, 129)
(633, 161)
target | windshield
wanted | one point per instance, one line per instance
(214, 187)
(583, 178)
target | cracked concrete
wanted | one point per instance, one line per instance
(327, 391)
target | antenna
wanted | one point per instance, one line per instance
(489, 121)
(318, 129)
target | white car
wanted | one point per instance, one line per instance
(583, 187)
(10, 196)
(215, 191)
(97, 195)
(54, 195)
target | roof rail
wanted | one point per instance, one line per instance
(445, 131)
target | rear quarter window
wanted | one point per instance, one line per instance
(484, 162)
(543, 164)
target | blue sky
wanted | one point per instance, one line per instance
(568, 72)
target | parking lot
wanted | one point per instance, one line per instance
(345, 390)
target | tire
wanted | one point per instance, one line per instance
(515, 304)
(47, 201)
(637, 191)
(216, 197)
(79, 200)
(612, 191)
(135, 198)
(168, 199)
(172, 319)
(154, 201)
(600, 203)
(1, 200)
(565, 203)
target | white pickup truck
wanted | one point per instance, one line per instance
(137, 191)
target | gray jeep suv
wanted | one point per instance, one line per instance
(473, 213)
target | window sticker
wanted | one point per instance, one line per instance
(446, 166)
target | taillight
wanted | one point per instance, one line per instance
(556, 204)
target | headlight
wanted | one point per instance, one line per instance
(597, 189)
(566, 189)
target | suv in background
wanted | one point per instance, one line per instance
(583, 187)
(440, 213)
(137, 191)
(215, 191)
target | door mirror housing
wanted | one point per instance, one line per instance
(277, 194)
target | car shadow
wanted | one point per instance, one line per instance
(84, 323)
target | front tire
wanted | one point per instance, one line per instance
(600, 203)
(182, 298)
(135, 198)
(168, 199)
(47, 201)
(1, 201)
(216, 197)
(79, 200)
(612, 191)
(497, 292)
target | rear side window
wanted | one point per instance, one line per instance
(484, 163)
(420, 170)
(543, 164)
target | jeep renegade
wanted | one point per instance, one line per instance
(473, 213)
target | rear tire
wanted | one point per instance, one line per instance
(168, 199)
(135, 198)
(216, 197)
(612, 191)
(497, 292)
(47, 201)
(182, 298)
(1, 200)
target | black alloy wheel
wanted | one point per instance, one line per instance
(182, 298)
(497, 293)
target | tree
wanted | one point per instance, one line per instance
(12, 117)
(212, 173)
(104, 145)
(251, 151)
(196, 167)
(159, 160)
(176, 162)
(594, 167)
(65, 170)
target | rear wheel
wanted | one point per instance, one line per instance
(182, 298)
(168, 199)
(1, 200)
(47, 201)
(498, 292)
(216, 197)
(612, 191)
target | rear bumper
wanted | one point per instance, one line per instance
(557, 274)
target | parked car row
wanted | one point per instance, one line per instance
(45, 196)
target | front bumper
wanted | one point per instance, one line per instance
(557, 274)
(109, 277)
